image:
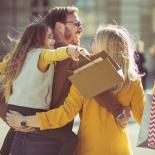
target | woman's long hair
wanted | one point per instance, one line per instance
(115, 40)
(33, 37)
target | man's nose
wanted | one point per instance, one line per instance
(81, 29)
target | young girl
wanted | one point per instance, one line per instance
(28, 84)
(99, 133)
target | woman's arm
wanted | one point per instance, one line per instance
(59, 117)
(53, 118)
(137, 102)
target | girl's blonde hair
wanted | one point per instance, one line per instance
(33, 37)
(115, 40)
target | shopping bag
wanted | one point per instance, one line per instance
(96, 75)
(146, 137)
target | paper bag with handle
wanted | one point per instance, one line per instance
(146, 136)
(96, 75)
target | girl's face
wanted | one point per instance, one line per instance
(49, 41)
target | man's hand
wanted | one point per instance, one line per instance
(123, 118)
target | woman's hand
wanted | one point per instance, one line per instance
(14, 119)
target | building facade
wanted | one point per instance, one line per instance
(137, 15)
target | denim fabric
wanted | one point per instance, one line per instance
(60, 141)
(34, 144)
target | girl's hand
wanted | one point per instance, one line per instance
(75, 51)
(14, 119)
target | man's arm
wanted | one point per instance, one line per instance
(110, 102)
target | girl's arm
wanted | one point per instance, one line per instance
(53, 118)
(47, 56)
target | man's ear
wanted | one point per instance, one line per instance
(59, 26)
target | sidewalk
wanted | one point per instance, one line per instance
(3, 130)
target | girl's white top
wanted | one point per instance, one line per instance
(33, 88)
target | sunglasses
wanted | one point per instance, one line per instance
(77, 24)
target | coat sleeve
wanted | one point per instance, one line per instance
(137, 101)
(60, 116)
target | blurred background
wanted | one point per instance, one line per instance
(138, 16)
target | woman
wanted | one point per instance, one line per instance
(98, 133)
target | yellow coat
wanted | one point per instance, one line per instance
(98, 133)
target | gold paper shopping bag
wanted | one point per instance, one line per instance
(96, 76)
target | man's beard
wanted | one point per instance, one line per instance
(68, 36)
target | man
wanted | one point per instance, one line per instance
(67, 28)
